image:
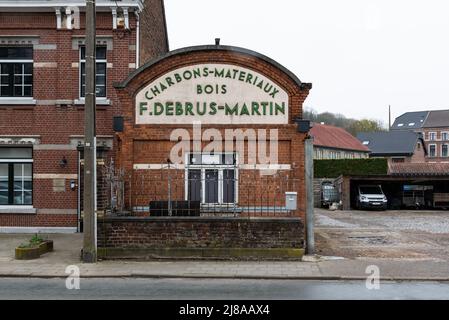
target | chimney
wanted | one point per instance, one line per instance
(217, 41)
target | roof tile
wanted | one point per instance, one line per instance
(335, 137)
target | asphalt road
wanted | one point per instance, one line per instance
(216, 289)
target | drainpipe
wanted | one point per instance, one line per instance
(137, 38)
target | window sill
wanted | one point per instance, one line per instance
(17, 209)
(99, 102)
(17, 101)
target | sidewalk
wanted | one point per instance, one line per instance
(67, 253)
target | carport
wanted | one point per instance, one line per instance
(401, 189)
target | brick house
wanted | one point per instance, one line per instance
(256, 97)
(42, 100)
(330, 142)
(436, 135)
(434, 127)
(397, 146)
(199, 124)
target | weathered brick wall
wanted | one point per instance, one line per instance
(153, 32)
(153, 233)
(38, 220)
(56, 78)
(291, 148)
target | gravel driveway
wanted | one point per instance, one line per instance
(415, 235)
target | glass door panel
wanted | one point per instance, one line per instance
(211, 187)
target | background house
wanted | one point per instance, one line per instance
(434, 127)
(330, 142)
(396, 146)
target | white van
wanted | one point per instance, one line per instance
(371, 197)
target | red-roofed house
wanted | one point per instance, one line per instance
(330, 142)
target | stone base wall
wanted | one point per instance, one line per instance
(200, 233)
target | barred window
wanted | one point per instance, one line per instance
(16, 71)
(100, 71)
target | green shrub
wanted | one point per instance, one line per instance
(36, 239)
(336, 168)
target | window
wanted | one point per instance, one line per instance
(432, 136)
(16, 176)
(16, 71)
(445, 136)
(400, 124)
(101, 65)
(432, 150)
(365, 143)
(444, 150)
(321, 154)
(411, 124)
(212, 178)
(398, 160)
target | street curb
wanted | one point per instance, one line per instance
(205, 276)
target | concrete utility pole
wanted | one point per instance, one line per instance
(389, 117)
(90, 147)
(310, 233)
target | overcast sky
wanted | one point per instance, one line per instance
(360, 55)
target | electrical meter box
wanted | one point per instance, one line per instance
(291, 200)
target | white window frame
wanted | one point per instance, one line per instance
(23, 74)
(220, 169)
(81, 61)
(447, 150)
(430, 134)
(447, 135)
(19, 206)
(436, 150)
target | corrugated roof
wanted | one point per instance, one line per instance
(425, 168)
(410, 120)
(397, 142)
(334, 137)
(437, 118)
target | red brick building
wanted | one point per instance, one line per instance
(42, 99)
(212, 153)
(246, 103)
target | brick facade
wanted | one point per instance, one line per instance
(149, 144)
(440, 139)
(162, 234)
(54, 120)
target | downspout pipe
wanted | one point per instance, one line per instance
(137, 38)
